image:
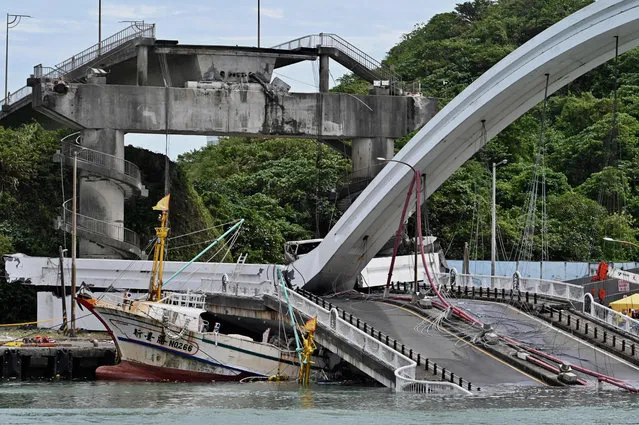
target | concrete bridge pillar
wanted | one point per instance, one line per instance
(99, 197)
(324, 73)
(366, 150)
(142, 64)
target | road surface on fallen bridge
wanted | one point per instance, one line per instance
(508, 321)
(438, 345)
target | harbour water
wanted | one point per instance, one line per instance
(70, 403)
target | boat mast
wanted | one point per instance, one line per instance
(161, 232)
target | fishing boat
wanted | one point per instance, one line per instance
(164, 337)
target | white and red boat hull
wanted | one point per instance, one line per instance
(151, 351)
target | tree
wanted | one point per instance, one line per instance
(280, 186)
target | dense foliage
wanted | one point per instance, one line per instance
(191, 225)
(30, 200)
(589, 143)
(280, 186)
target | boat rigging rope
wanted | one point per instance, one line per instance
(200, 231)
(280, 278)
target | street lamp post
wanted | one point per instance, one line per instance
(621, 242)
(99, 27)
(74, 241)
(493, 237)
(417, 176)
(12, 22)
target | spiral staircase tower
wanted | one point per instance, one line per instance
(105, 181)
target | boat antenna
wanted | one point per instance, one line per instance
(161, 232)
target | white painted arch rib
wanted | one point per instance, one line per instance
(568, 49)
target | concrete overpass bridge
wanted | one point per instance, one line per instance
(135, 83)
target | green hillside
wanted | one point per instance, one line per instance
(589, 143)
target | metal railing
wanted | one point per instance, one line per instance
(15, 96)
(405, 383)
(551, 288)
(159, 311)
(135, 30)
(404, 365)
(185, 299)
(239, 288)
(337, 42)
(601, 313)
(103, 228)
(71, 144)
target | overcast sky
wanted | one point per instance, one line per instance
(60, 29)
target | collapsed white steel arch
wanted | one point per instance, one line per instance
(568, 49)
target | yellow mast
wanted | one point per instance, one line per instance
(308, 347)
(155, 284)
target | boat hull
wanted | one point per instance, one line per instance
(132, 371)
(152, 351)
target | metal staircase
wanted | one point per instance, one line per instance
(346, 54)
(84, 58)
(121, 172)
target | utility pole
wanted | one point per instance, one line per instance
(64, 291)
(258, 23)
(74, 242)
(99, 27)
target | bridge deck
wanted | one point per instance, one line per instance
(508, 321)
(438, 345)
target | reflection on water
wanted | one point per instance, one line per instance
(71, 403)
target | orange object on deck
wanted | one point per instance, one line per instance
(602, 272)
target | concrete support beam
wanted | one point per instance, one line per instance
(247, 110)
(365, 153)
(101, 198)
(142, 64)
(323, 74)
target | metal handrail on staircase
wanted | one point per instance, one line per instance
(114, 167)
(337, 42)
(135, 30)
(70, 145)
(99, 227)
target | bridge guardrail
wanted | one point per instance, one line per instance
(601, 313)
(133, 31)
(240, 288)
(563, 290)
(407, 384)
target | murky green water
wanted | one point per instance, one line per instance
(70, 403)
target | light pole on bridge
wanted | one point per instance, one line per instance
(416, 177)
(99, 27)
(12, 22)
(621, 242)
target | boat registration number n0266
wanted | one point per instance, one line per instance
(181, 345)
